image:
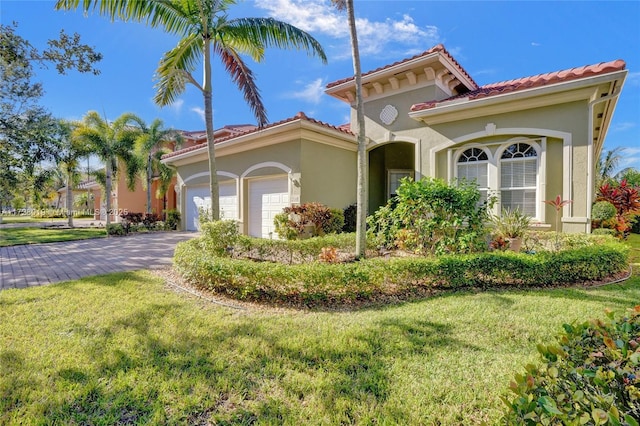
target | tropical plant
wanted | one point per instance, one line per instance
(511, 223)
(625, 199)
(601, 213)
(150, 147)
(431, 217)
(361, 196)
(205, 29)
(71, 149)
(558, 203)
(607, 164)
(113, 143)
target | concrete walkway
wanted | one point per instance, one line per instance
(38, 264)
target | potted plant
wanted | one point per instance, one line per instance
(511, 225)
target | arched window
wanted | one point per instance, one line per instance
(518, 176)
(472, 166)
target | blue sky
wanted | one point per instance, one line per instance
(493, 41)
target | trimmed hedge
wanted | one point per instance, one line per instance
(314, 283)
(590, 377)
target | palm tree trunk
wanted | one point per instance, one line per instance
(69, 199)
(361, 197)
(149, 173)
(208, 116)
(107, 190)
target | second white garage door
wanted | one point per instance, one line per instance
(267, 198)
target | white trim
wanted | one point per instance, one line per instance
(201, 174)
(265, 164)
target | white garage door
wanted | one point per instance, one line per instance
(267, 198)
(199, 197)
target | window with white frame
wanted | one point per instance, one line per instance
(473, 166)
(518, 178)
(394, 179)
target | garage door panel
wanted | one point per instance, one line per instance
(199, 198)
(267, 198)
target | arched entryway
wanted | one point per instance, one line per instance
(388, 164)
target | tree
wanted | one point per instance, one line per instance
(27, 131)
(71, 149)
(607, 165)
(150, 148)
(205, 29)
(113, 143)
(361, 197)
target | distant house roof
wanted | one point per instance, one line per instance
(253, 129)
(523, 83)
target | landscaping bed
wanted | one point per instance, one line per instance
(257, 273)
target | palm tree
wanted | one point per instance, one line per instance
(205, 29)
(361, 197)
(607, 164)
(150, 148)
(71, 149)
(113, 143)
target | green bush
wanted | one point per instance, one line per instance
(604, 231)
(219, 236)
(173, 220)
(115, 229)
(350, 218)
(591, 376)
(312, 282)
(432, 217)
(290, 224)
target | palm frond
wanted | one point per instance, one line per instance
(175, 63)
(243, 77)
(269, 32)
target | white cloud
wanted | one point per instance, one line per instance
(633, 78)
(535, 44)
(319, 16)
(620, 127)
(631, 151)
(312, 92)
(198, 111)
(177, 105)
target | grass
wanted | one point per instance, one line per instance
(28, 219)
(125, 349)
(30, 235)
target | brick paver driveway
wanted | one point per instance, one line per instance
(38, 264)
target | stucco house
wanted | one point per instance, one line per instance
(524, 141)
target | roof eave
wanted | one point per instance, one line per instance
(423, 115)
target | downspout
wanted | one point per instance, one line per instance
(590, 153)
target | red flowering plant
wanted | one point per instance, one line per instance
(625, 199)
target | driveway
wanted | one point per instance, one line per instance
(39, 264)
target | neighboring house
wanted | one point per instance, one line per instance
(523, 141)
(88, 187)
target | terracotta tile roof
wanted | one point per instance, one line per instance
(523, 83)
(438, 48)
(299, 116)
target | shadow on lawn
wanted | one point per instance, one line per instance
(240, 372)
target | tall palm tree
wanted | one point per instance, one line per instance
(362, 182)
(206, 30)
(607, 164)
(71, 149)
(150, 147)
(113, 143)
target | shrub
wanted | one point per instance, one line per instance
(173, 220)
(350, 218)
(150, 219)
(591, 376)
(511, 223)
(604, 231)
(439, 217)
(625, 199)
(312, 282)
(603, 211)
(115, 229)
(291, 223)
(219, 236)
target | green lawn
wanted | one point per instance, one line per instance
(28, 219)
(18, 236)
(125, 349)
